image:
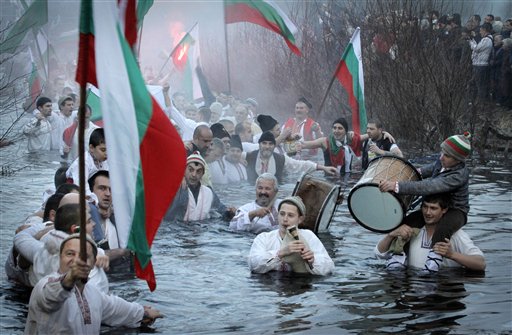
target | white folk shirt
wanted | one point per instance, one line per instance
(420, 247)
(39, 135)
(218, 172)
(263, 255)
(46, 261)
(235, 172)
(199, 210)
(54, 310)
(241, 222)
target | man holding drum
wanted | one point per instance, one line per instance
(448, 174)
(377, 144)
(457, 251)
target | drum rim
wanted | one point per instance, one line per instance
(320, 212)
(400, 159)
(366, 226)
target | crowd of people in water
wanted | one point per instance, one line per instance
(230, 141)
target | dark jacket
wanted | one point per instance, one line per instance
(454, 181)
(251, 166)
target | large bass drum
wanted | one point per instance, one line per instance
(321, 200)
(381, 211)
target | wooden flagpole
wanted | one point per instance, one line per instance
(227, 51)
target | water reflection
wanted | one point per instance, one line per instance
(204, 285)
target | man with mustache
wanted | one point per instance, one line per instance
(261, 214)
(266, 160)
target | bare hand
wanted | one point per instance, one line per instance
(102, 261)
(404, 231)
(295, 246)
(443, 248)
(331, 170)
(308, 256)
(150, 314)
(79, 270)
(389, 137)
(387, 186)
(260, 212)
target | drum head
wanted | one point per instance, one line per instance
(324, 218)
(375, 210)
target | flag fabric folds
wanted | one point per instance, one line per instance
(350, 74)
(264, 13)
(145, 153)
(181, 51)
(34, 18)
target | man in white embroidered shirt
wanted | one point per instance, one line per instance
(62, 303)
(459, 251)
(261, 214)
(194, 201)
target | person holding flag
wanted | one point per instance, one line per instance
(142, 142)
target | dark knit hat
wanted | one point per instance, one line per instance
(42, 100)
(267, 136)
(306, 102)
(457, 146)
(294, 200)
(219, 131)
(236, 142)
(266, 122)
(341, 121)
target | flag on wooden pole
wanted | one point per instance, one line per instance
(350, 74)
(145, 153)
(264, 13)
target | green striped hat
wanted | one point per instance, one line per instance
(457, 146)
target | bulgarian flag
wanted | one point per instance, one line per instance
(34, 84)
(130, 13)
(145, 153)
(181, 51)
(264, 13)
(350, 74)
(185, 57)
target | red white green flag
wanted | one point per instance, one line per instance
(350, 74)
(185, 57)
(130, 13)
(145, 153)
(264, 13)
(34, 85)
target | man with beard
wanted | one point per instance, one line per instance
(259, 215)
(194, 201)
(377, 144)
(266, 160)
(304, 127)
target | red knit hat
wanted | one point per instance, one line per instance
(457, 146)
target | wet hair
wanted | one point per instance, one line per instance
(67, 216)
(67, 188)
(52, 203)
(60, 176)
(97, 137)
(206, 113)
(217, 142)
(92, 179)
(491, 16)
(443, 199)
(377, 122)
(268, 176)
(486, 26)
(42, 101)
